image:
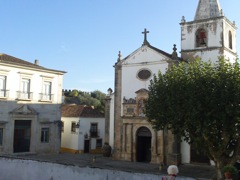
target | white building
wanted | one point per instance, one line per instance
(210, 36)
(30, 107)
(83, 129)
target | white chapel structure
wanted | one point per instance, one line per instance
(209, 36)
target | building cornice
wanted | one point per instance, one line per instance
(33, 68)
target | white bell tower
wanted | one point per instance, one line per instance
(210, 36)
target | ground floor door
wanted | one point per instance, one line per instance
(22, 136)
(143, 149)
(198, 156)
(86, 146)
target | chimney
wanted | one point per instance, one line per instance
(36, 62)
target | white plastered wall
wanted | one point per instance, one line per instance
(143, 58)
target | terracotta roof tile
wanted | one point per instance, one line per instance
(13, 60)
(73, 110)
(88, 111)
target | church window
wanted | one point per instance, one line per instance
(144, 74)
(130, 110)
(201, 38)
(230, 39)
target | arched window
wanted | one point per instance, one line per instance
(201, 38)
(230, 39)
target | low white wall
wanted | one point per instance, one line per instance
(11, 169)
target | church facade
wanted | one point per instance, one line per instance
(209, 36)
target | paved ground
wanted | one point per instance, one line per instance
(195, 171)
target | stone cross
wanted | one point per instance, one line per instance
(145, 35)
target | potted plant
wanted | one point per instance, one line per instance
(229, 170)
(106, 149)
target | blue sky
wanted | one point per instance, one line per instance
(83, 37)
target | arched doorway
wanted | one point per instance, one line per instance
(198, 156)
(143, 148)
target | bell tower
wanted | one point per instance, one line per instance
(210, 35)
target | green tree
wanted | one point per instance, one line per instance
(74, 93)
(101, 97)
(95, 98)
(200, 102)
(86, 99)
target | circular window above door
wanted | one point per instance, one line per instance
(144, 74)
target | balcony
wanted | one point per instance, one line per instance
(94, 133)
(4, 93)
(24, 95)
(45, 97)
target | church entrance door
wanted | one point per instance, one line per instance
(22, 135)
(143, 148)
(198, 156)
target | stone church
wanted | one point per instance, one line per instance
(209, 36)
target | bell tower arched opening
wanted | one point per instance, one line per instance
(230, 39)
(201, 38)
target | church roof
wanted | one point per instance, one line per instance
(208, 9)
(155, 49)
(160, 51)
(73, 110)
(172, 56)
(7, 59)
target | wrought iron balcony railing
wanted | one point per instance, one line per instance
(4, 93)
(94, 133)
(24, 95)
(45, 97)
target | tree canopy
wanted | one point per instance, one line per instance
(95, 98)
(200, 102)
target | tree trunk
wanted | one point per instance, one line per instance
(219, 166)
(219, 174)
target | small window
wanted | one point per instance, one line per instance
(99, 143)
(46, 94)
(201, 38)
(73, 127)
(1, 136)
(25, 89)
(94, 130)
(3, 86)
(45, 135)
(230, 39)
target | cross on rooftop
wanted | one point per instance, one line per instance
(145, 32)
